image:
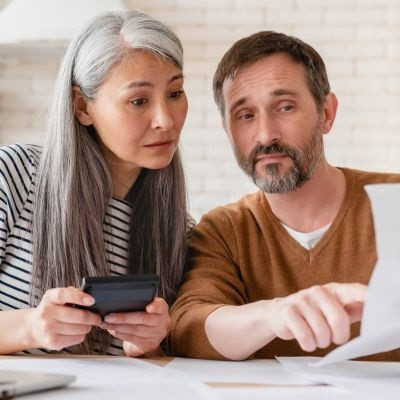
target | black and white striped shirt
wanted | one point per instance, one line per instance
(18, 164)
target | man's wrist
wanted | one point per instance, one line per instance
(266, 311)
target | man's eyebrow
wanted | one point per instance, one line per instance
(275, 93)
(283, 92)
(237, 103)
(150, 84)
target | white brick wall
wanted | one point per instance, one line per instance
(358, 39)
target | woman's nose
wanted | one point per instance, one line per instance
(162, 118)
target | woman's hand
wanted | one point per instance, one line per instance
(141, 332)
(54, 324)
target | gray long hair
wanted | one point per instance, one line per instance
(74, 186)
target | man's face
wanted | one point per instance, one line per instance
(273, 123)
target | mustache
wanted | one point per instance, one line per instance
(275, 148)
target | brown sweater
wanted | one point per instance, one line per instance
(241, 253)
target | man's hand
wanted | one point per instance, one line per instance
(141, 332)
(317, 316)
(54, 324)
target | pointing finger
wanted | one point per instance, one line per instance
(348, 293)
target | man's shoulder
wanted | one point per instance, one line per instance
(237, 210)
(368, 177)
(228, 223)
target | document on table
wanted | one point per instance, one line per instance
(380, 325)
(318, 392)
(266, 372)
(112, 378)
(366, 379)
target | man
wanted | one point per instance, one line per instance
(281, 272)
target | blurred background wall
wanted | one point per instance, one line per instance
(358, 39)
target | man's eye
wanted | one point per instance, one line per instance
(138, 102)
(286, 108)
(176, 95)
(245, 116)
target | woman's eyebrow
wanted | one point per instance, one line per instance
(150, 84)
(175, 78)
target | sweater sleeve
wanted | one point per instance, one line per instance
(211, 281)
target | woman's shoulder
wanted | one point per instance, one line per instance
(18, 165)
(23, 153)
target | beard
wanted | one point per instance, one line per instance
(305, 160)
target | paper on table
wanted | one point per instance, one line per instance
(367, 379)
(285, 393)
(112, 378)
(267, 372)
(380, 326)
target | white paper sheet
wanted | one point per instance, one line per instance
(380, 325)
(267, 372)
(112, 378)
(287, 393)
(366, 379)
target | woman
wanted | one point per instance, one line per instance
(105, 196)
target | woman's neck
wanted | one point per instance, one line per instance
(123, 174)
(123, 180)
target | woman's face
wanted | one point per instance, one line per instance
(139, 112)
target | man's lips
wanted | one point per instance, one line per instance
(270, 158)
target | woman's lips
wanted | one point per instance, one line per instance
(159, 145)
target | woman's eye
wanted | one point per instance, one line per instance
(138, 102)
(176, 95)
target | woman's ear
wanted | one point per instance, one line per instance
(80, 107)
(329, 112)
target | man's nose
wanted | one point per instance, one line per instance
(162, 117)
(267, 129)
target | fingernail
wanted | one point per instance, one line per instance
(310, 345)
(88, 300)
(110, 318)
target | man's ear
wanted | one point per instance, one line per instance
(329, 112)
(80, 107)
(224, 122)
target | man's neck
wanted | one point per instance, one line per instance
(315, 204)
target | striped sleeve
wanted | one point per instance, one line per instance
(16, 177)
(4, 229)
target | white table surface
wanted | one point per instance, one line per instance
(100, 377)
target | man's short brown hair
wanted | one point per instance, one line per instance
(255, 47)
